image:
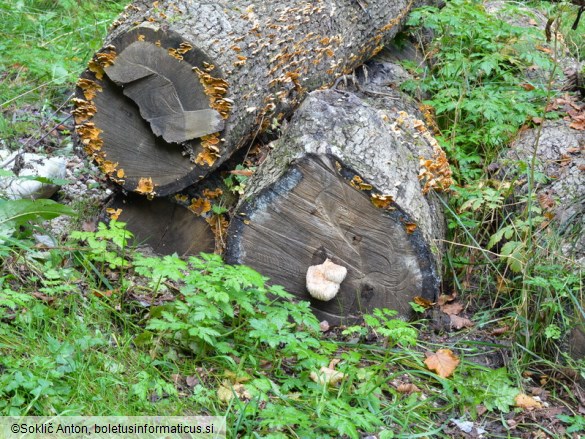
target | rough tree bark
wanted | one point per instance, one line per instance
(180, 85)
(343, 183)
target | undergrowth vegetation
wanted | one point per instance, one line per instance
(485, 80)
(94, 327)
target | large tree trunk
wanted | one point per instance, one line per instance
(180, 85)
(348, 181)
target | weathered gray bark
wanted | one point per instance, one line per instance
(325, 192)
(254, 61)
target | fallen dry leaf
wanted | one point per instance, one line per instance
(443, 362)
(537, 120)
(327, 375)
(407, 388)
(227, 390)
(526, 402)
(500, 331)
(460, 322)
(526, 86)
(43, 297)
(578, 124)
(453, 308)
(445, 298)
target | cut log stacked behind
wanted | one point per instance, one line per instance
(180, 85)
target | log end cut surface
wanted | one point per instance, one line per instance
(149, 110)
(312, 213)
(165, 226)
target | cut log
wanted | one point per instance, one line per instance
(180, 85)
(167, 227)
(343, 184)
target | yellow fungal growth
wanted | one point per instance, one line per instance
(200, 206)
(145, 186)
(215, 89)
(141, 37)
(89, 88)
(84, 110)
(175, 53)
(181, 198)
(210, 153)
(101, 60)
(435, 173)
(184, 47)
(212, 194)
(410, 228)
(382, 201)
(113, 213)
(108, 167)
(89, 136)
(106, 59)
(357, 183)
(120, 173)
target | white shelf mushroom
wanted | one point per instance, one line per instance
(323, 280)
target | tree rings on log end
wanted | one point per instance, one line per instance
(165, 226)
(313, 213)
(150, 109)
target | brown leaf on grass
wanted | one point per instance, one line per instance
(578, 124)
(460, 322)
(43, 297)
(526, 86)
(446, 298)
(453, 308)
(107, 293)
(242, 172)
(526, 402)
(407, 388)
(89, 226)
(537, 120)
(443, 362)
(328, 375)
(192, 380)
(500, 331)
(227, 390)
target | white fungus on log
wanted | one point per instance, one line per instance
(323, 280)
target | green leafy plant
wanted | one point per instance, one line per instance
(105, 244)
(20, 215)
(576, 423)
(219, 303)
(473, 81)
(384, 323)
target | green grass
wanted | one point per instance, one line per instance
(44, 45)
